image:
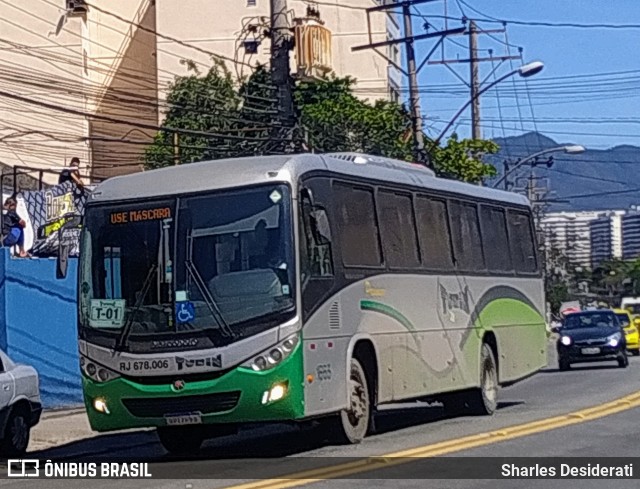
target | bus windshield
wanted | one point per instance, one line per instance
(193, 271)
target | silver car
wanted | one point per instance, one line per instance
(20, 405)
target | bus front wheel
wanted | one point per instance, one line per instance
(484, 400)
(352, 424)
(180, 440)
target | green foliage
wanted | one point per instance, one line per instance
(199, 104)
(462, 160)
(336, 120)
(557, 293)
(332, 117)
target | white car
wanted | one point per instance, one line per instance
(20, 405)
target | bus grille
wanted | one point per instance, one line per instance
(158, 407)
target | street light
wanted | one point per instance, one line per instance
(571, 149)
(525, 71)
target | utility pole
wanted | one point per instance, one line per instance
(176, 148)
(281, 44)
(414, 94)
(505, 165)
(474, 61)
(475, 80)
(412, 69)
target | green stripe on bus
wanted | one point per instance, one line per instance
(367, 305)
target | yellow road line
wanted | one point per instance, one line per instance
(445, 447)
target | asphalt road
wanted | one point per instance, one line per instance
(225, 461)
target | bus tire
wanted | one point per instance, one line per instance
(180, 441)
(352, 424)
(483, 401)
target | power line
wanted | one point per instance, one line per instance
(129, 123)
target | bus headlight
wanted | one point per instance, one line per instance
(274, 355)
(96, 372)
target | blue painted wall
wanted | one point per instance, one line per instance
(38, 324)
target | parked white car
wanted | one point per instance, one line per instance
(20, 405)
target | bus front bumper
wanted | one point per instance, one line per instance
(239, 396)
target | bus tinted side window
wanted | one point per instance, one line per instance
(495, 239)
(397, 229)
(522, 242)
(433, 231)
(316, 255)
(465, 230)
(358, 227)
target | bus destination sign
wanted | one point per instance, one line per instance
(125, 217)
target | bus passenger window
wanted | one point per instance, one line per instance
(397, 229)
(522, 242)
(465, 231)
(433, 231)
(494, 239)
(358, 226)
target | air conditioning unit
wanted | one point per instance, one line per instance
(76, 8)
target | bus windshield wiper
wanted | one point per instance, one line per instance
(143, 293)
(209, 300)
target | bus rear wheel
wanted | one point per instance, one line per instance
(180, 440)
(484, 400)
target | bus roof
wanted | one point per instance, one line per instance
(236, 172)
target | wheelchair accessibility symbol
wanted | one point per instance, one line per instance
(185, 312)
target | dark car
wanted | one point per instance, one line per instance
(591, 336)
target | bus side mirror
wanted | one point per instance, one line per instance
(321, 226)
(64, 248)
(62, 262)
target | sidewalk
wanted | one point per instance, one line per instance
(59, 427)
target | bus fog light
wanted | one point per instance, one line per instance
(276, 393)
(100, 405)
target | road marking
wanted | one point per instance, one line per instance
(445, 447)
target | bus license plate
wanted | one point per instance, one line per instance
(590, 351)
(183, 419)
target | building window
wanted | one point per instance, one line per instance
(251, 3)
(251, 47)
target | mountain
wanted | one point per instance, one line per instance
(612, 174)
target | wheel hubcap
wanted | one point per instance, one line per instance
(490, 388)
(358, 404)
(19, 433)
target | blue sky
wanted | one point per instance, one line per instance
(577, 110)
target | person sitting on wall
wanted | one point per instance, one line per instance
(13, 227)
(72, 173)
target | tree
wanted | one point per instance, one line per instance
(199, 103)
(462, 160)
(332, 117)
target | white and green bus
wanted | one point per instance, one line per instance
(301, 287)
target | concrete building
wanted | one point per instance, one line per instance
(570, 233)
(42, 65)
(128, 68)
(606, 238)
(631, 236)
